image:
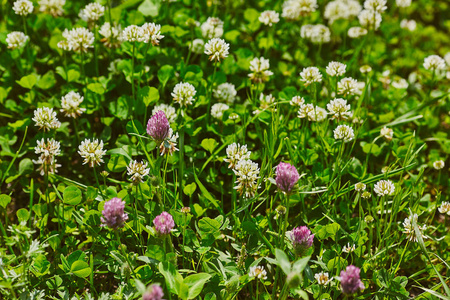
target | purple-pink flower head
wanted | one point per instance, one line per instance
(350, 282)
(302, 239)
(286, 177)
(164, 223)
(158, 126)
(154, 292)
(113, 213)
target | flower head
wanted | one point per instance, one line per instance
(114, 215)
(164, 223)
(438, 164)
(212, 28)
(293, 9)
(444, 208)
(350, 281)
(410, 25)
(387, 133)
(45, 118)
(375, 5)
(168, 110)
(344, 132)
(79, 39)
(197, 46)
(302, 239)
(339, 108)
(137, 170)
(323, 278)
(152, 33)
(349, 248)
(434, 62)
(297, 101)
(257, 272)
(47, 155)
(70, 104)
(236, 153)
(23, 7)
(384, 188)
(52, 7)
(356, 32)
(16, 40)
(92, 152)
(335, 68)
(226, 92)
(338, 9)
(269, 17)
(158, 127)
(134, 33)
(92, 12)
(184, 93)
(310, 75)
(218, 109)
(403, 3)
(286, 177)
(260, 68)
(112, 37)
(370, 19)
(247, 173)
(217, 49)
(409, 228)
(154, 292)
(168, 145)
(347, 86)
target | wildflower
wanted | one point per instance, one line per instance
(137, 170)
(344, 132)
(306, 31)
(47, 155)
(266, 102)
(236, 153)
(365, 69)
(339, 108)
(217, 49)
(305, 110)
(297, 101)
(349, 248)
(444, 208)
(335, 68)
(375, 5)
(269, 17)
(293, 9)
(63, 45)
(356, 32)
(70, 104)
(434, 62)
(154, 292)
(158, 127)
(186, 210)
(45, 118)
(92, 12)
(164, 223)
(318, 114)
(286, 177)
(302, 239)
(439, 164)
(347, 86)
(338, 9)
(152, 33)
(212, 28)
(323, 278)
(112, 37)
(168, 145)
(226, 92)
(384, 169)
(233, 116)
(197, 46)
(23, 7)
(320, 34)
(360, 187)
(384, 188)
(52, 7)
(403, 3)
(218, 109)
(184, 93)
(134, 33)
(400, 83)
(366, 195)
(280, 210)
(258, 272)
(370, 19)
(409, 228)
(247, 173)
(79, 39)
(310, 75)
(168, 110)
(260, 69)
(92, 152)
(350, 280)
(16, 40)
(408, 24)
(114, 215)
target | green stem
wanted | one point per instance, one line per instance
(98, 184)
(132, 73)
(95, 50)
(180, 163)
(123, 252)
(208, 112)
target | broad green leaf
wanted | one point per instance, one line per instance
(165, 73)
(47, 81)
(196, 283)
(28, 81)
(171, 276)
(149, 95)
(189, 189)
(80, 268)
(149, 8)
(117, 163)
(23, 215)
(283, 261)
(209, 144)
(208, 225)
(72, 195)
(96, 88)
(4, 200)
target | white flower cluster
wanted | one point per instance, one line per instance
(168, 145)
(356, 32)
(439, 164)
(92, 152)
(266, 103)
(408, 24)
(217, 49)
(409, 228)
(236, 153)
(339, 109)
(258, 272)
(197, 46)
(317, 34)
(260, 68)
(269, 17)
(297, 101)
(133, 33)
(45, 118)
(434, 62)
(152, 33)
(293, 9)
(137, 170)
(92, 12)
(168, 110)
(52, 7)
(344, 132)
(218, 109)
(310, 75)
(347, 86)
(184, 93)
(349, 248)
(16, 40)
(444, 208)
(112, 37)
(323, 278)
(70, 104)
(47, 156)
(23, 7)
(370, 18)
(313, 113)
(79, 39)
(226, 92)
(384, 188)
(335, 68)
(212, 28)
(387, 133)
(403, 3)
(341, 9)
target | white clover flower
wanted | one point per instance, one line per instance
(387, 133)
(218, 109)
(63, 45)
(23, 7)
(112, 37)
(92, 152)
(403, 3)
(184, 93)
(323, 278)
(344, 132)
(384, 188)
(293, 9)
(318, 114)
(152, 33)
(134, 33)
(137, 170)
(434, 62)
(444, 208)
(320, 34)
(168, 110)
(168, 145)
(335, 68)
(45, 118)
(236, 153)
(92, 12)
(306, 31)
(365, 69)
(16, 40)
(447, 58)
(310, 75)
(366, 195)
(339, 108)
(341, 9)
(47, 149)
(410, 25)
(409, 228)
(212, 28)
(266, 101)
(356, 32)
(297, 101)
(400, 84)
(439, 164)
(360, 187)
(370, 19)
(349, 248)
(217, 49)
(269, 17)
(226, 92)
(305, 110)
(70, 104)
(258, 272)
(47, 165)
(260, 68)
(52, 7)
(79, 39)
(347, 86)
(375, 5)
(197, 46)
